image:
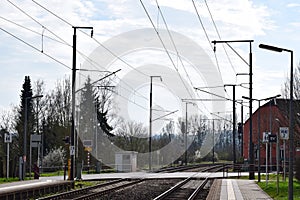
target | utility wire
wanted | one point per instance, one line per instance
(163, 44)
(41, 51)
(202, 25)
(112, 53)
(209, 41)
(174, 45)
(52, 13)
(90, 60)
(35, 48)
(33, 31)
(63, 41)
(219, 35)
(99, 43)
(35, 20)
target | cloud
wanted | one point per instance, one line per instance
(292, 5)
(235, 19)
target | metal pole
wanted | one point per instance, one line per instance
(150, 122)
(284, 160)
(7, 161)
(72, 169)
(251, 171)
(242, 136)
(271, 145)
(291, 119)
(185, 138)
(150, 126)
(251, 154)
(291, 135)
(258, 141)
(25, 141)
(213, 121)
(96, 142)
(267, 163)
(277, 162)
(37, 129)
(234, 125)
(30, 152)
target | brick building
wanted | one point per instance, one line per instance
(273, 114)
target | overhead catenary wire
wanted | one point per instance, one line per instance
(166, 50)
(25, 13)
(108, 49)
(175, 47)
(202, 25)
(112, 53)
(94, 64)
(94, 40)
(99, 43)
(163, 44)
(33, 31)
(219, 35)
(53, 39)
(62, 41)
(209, 41)
(35, 48)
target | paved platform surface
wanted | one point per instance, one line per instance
(224, 188)
(13, 186)
(231, 189)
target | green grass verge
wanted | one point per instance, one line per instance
(8, 180)
(271, 188)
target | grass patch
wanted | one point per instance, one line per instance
(83, 184)
(56, 173)
(8, 180)
(271, 187)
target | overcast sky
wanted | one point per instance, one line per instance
(274, 22)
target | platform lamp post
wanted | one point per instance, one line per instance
(249, 63)
(291, 121)
(72, 146)
(25, 134)
(258, 134)
(150, 122)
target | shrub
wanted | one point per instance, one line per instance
(54, 159)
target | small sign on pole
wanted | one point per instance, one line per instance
(284, 133)
(7, 138)
(87, 143)
(72, 150)
(265, 138)
(272, 138)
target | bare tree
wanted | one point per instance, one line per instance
(286, 86)
(132, 136)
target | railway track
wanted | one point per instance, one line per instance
(136, 189)
(187, 189)
(95, 191)
(196, 168)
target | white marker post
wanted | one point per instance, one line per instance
(265, 140)
(284, 135)
(7, 139)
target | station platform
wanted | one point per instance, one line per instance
(31, 188)
(231, 189)
(225, 187)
